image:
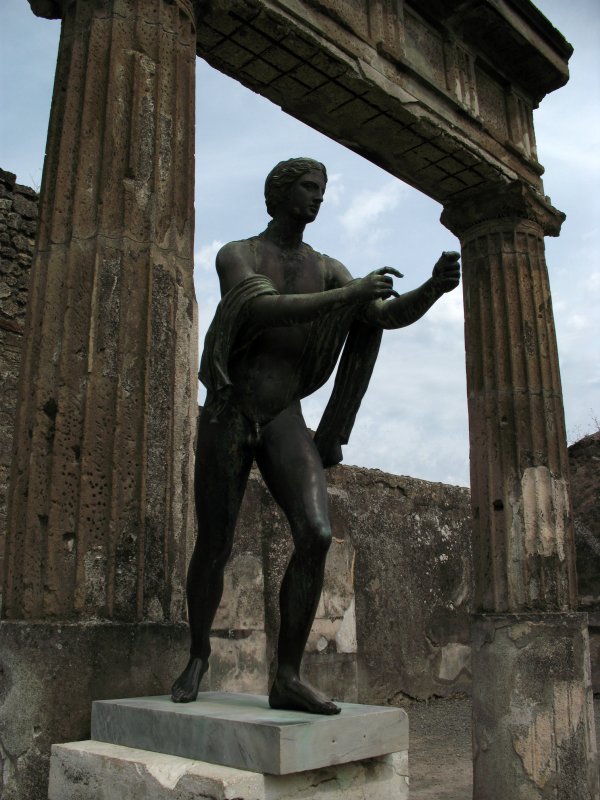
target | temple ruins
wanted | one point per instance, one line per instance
(100, 514)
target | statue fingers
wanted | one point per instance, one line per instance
(389, 271)
(386, 292)
(450, 255)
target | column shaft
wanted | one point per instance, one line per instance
(100, 501)
(533, 721)
(522, 526)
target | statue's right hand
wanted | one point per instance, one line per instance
(377, 284)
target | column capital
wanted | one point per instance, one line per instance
(515, 202)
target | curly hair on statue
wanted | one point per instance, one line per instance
(283, 175)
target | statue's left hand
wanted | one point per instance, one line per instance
(329, 449)
(446, 273)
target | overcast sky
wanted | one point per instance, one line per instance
(414, 417)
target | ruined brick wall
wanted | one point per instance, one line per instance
(18, 224)
(584, 463)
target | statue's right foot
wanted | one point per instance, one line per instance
(293, 694)
(185, 688)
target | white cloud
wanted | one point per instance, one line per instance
(368, 206)
(592, 283)
(448, 309)
(204, 257)
(578, 322)
(335, 189)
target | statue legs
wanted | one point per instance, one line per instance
(223, 459)
(293, 472)
(292, 469)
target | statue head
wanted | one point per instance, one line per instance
(283, 176)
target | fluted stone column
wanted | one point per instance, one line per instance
(100, 502)
(532, 700)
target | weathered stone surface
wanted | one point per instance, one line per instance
(10, 361)
(18, 224)
(533, 731)
(523, 542)
(402, 84)
(412, 577)
(584, 463)
(100, 510)
(528, 742)
(240, 730)
(99, 771)
(50, 673)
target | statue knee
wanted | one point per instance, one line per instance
(315, 539)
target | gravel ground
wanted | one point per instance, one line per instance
(440, 749)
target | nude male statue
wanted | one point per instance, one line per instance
(285, 314)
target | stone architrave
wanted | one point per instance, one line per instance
(100, 505)
(523, 544)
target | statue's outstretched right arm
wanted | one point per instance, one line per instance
(233, 266)
(407, 308)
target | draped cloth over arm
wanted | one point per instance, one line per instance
(351, 383)
(324, 344)
(220, 342)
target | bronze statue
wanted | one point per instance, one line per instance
(286, 313)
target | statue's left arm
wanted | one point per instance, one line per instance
(408, 308)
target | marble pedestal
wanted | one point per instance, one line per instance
(241, 731)
(99, 771)
(233, 746)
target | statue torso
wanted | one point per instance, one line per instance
(266, 375)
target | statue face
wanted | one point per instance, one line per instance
(305, 196)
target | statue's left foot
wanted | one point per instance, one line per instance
(294, 695)
(185, 688)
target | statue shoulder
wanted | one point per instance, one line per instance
(238, 248)
(335, 272)
(238, 251)
(236, 261)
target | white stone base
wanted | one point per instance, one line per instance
(100, 771)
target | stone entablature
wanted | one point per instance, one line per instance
(440, 94)
(417, 88)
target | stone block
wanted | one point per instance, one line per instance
(94, 770)
(26, 208)
(533, 732)
(50, 673)
(241, 731)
